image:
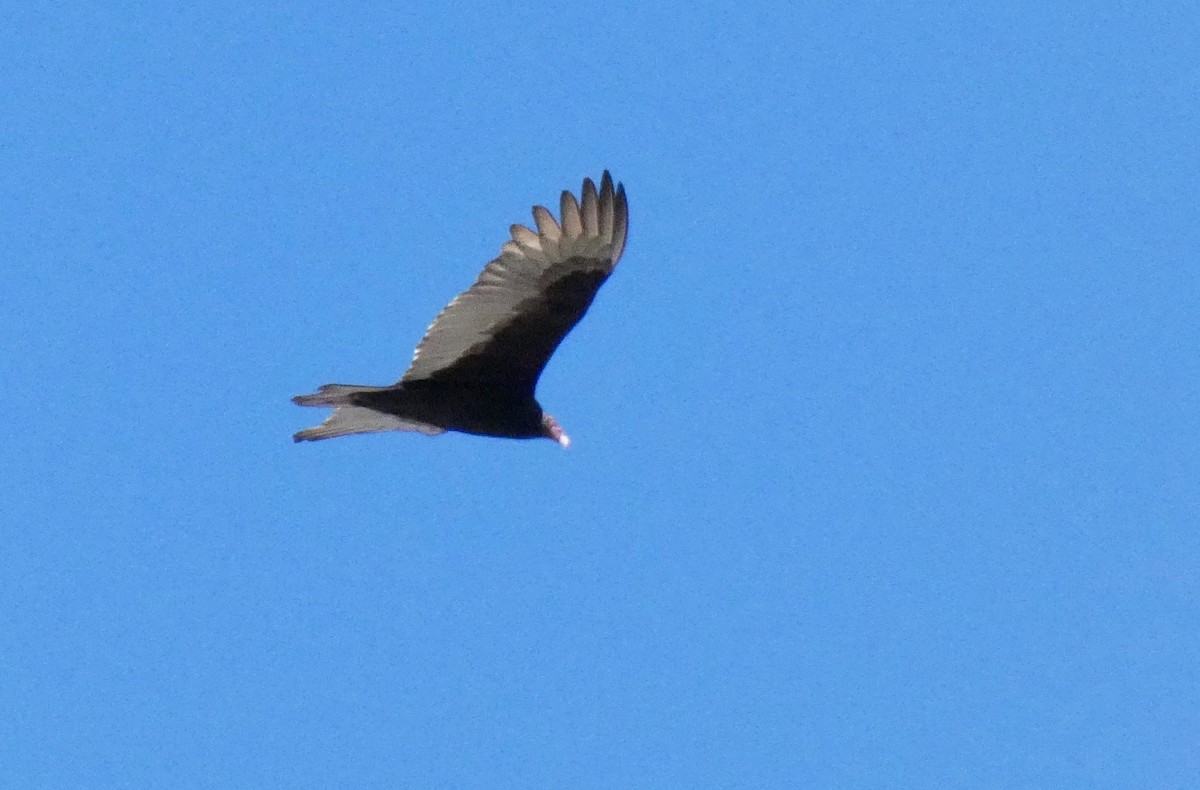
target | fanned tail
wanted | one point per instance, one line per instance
(349, 418)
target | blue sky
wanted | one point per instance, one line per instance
(885, 468)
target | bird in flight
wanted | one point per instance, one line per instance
(476, 369)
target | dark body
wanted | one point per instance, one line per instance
(466, 408)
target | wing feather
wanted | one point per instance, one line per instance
(545, 223)
(620, 225)
(526, 238)
(606, 209)
(572, 222)
(502, 330)
(590, 210)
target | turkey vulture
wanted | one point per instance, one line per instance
(477, 366)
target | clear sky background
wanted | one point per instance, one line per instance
(885, 469)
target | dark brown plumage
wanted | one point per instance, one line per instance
(477, 367)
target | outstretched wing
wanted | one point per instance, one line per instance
(501, 331)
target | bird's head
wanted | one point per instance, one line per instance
(552, 430)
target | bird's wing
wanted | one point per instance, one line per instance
(501, 331)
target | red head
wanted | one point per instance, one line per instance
(552, 430)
